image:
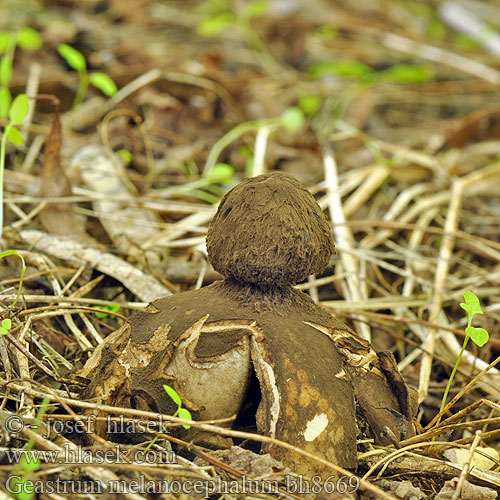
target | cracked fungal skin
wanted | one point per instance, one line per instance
(270, 232)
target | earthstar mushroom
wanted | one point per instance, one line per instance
(317, 379)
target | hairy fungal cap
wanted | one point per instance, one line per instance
(269, 231)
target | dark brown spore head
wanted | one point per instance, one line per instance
(270, 232)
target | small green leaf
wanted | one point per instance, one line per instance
(5, 41)
(256, 8)
(110, 307)
(15, 136)
(73, 57)
(478, 335)
(406, 73)
(29, 39)
(292, 119)
(213, 25)
(5, 71)
(6, 326)
(104, 83)
(436, 29)
(346, 68)
(173, 395)
(31, 465)
(222, 172)
(125, 155)
(327, 32)
(309, 104)
(471, 304)
(19, 109)
(5, 99)
(186, 415)
(465, 42)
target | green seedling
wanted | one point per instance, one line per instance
(17, 113)
(362, 73)
(26, 38)
(125, 155)
(99, 80)
(309, 104)
(478, 335)
(202, 188)
(292, 120)
(221, 16)
(6, 326)
(24, 489)
(112, 308)
(181, 412)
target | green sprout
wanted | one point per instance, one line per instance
(361, 72)
(17, 113)
(77, 61)
(7, 253)
(478, 335)
(26, 38)
(180, 412)
(112, 308)
(5, 327)
(29, 462)
(125, 155)
(291, 120)
(202, 188)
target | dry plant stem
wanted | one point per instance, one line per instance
(384, 461)
(24, 218)
(442, 56)
(144, 286)
(403, 199)
(31, 91)
(186, 225)
(33, 153)
(388, 318)
(467, 467)
(172, 76)
(137, 306)
(448, 428)
(231, 470)
(82, 195)
(313, 289)
(22, 363)
(343, 234)
(451, 224)
(37, 362)
(259, 157)
(432, 230)
(206, 427)
(366, 190)
(145, 137)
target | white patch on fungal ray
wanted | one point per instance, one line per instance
(315, 427)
